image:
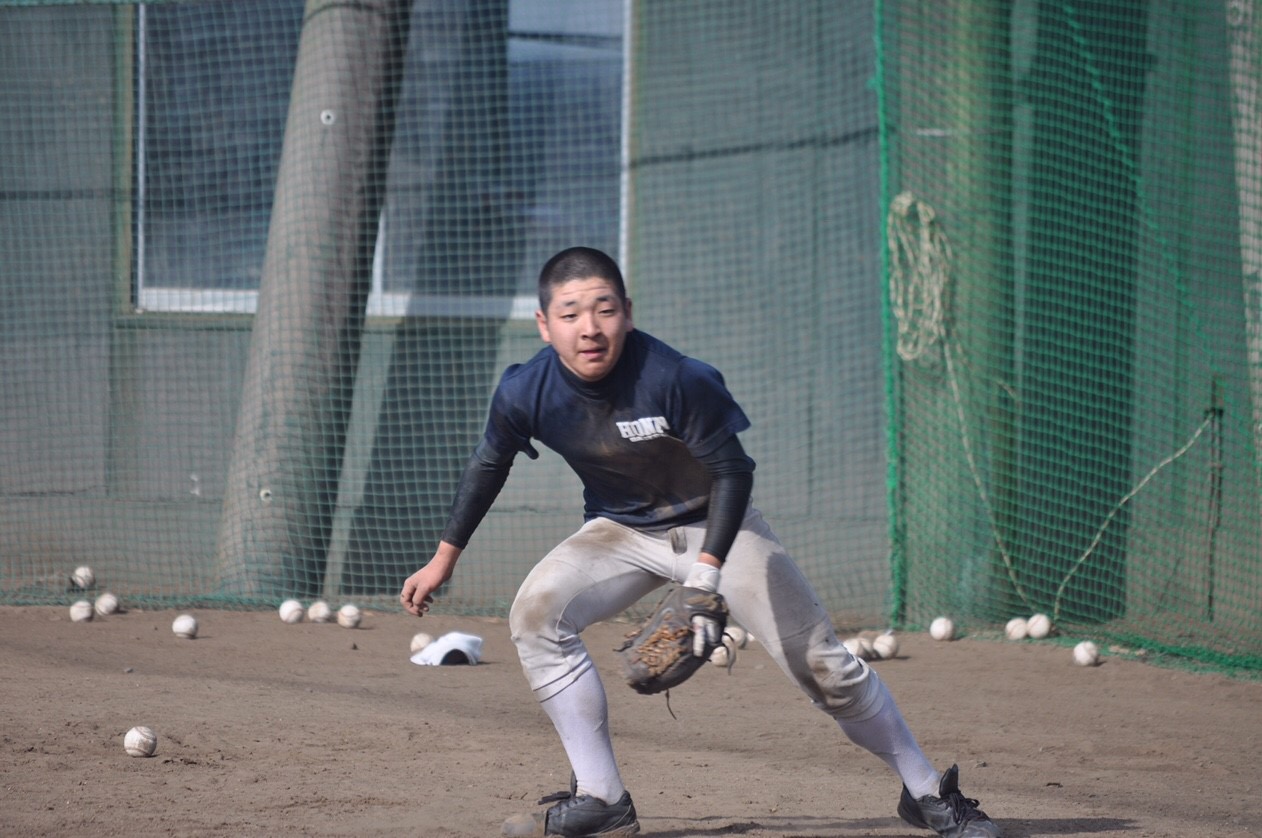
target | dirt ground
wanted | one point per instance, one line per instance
(311, 729)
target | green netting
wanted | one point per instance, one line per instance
(264, 265)
(1073, 207)
(981, 273)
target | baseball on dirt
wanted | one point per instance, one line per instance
(886, 646)
(855, 647)
(1017, 628)
(739, 636)
(319, 612)
(140, 741)
(942, 628)
(185, 626)
(420, 640)
(348, 616)
(106, 604)
(721, 656)
(1086, 653)
(1040, 626)
(83, 577)
(291, 611)
(81, 611)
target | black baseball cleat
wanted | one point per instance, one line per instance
(950, 814)
(581, 816)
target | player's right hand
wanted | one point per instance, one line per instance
(414, 597)
(418, 589)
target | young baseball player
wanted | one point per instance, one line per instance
(666, 488)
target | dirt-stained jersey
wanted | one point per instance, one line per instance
(633, 438)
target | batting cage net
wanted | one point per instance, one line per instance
(984, 275)
(1072, 215)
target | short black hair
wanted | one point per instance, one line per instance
(579, 263)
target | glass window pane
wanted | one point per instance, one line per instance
(506, 148)
(215, 86)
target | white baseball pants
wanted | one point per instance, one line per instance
(606, 567)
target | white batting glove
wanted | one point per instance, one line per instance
(706, 631)
(703, 576)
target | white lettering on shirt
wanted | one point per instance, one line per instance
(641, 430)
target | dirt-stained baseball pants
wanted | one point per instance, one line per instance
(606, 567)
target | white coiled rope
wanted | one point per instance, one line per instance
(920, 258)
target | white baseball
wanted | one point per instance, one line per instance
(319, 612)
(83, 577)
(855, 647)
(1086, 653)
(739, 636)
(1017, 628)
(185, 626)
(291, 611)
(81, 611)
(140, 741)
(420, 640)
(1040, 626)
(721, 656)
(106, 604)
(348, 616)
(942, 628)
(886, 646)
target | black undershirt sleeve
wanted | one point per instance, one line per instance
(479, 486)
(732, 472)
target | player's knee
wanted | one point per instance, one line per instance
(535, 614)
(843, 686)
(525, 619)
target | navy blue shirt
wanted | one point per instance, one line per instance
(633, 438)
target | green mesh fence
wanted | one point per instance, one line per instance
(1073, 226)
(980, 273)
(265, 263)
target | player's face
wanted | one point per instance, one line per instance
(587, 325)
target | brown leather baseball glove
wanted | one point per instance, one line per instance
(664, 651)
